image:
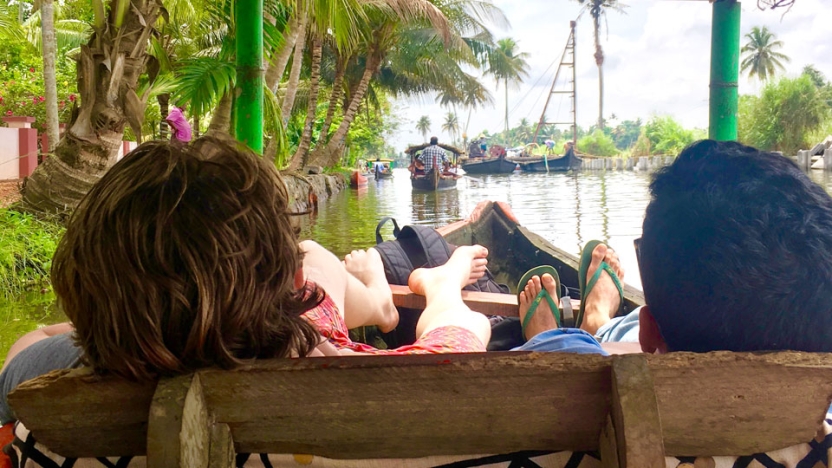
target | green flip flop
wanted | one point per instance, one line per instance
(586, 286)
(543, 294)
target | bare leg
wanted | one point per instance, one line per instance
(603, 302)
(543, 319)
(441, 287)
(34, 336)
(359, 304)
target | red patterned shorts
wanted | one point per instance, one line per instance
(327, 319)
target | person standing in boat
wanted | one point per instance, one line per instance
(433, 156)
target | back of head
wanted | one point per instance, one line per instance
(182, 258)
(434, 140)
(735, 252)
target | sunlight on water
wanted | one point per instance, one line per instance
(566, 209)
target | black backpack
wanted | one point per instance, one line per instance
(418, 247)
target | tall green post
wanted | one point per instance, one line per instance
(249, 100)
(725, 70)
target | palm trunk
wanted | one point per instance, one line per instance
(277, 66)
(108, 73)
(300, 157)
(599, 60)
(294, 76)
(221, 119)
(196, 125)
(164, 109)
(50, 46)
(328, 155)
(337, 91)
(506, 86)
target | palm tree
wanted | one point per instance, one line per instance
(598, 9)
(474, 95)
(508, 65)
(108, 73)
(760, 57)
(50, 52)
(423, 125)
(451, 125)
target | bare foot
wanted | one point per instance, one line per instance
(543, 319)
(603, 302)
(466, 265)
(366, 265)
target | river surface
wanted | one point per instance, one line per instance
(566, 209)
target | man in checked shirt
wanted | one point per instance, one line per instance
(433, 156)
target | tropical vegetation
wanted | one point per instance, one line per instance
(760, 57)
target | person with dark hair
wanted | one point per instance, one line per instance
(732, 238)
(433, 156)
(734, 254)
(184, 257)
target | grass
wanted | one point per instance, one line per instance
(28, 244)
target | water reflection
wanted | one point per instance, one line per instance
(566, 209)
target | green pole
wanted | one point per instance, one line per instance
(725, 64)
(249, 102)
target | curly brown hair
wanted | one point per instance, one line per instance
(183, 258)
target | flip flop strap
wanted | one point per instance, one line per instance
(536, 302)
(605, 267)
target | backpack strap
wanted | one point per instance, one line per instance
(424, 246)
(397, 265)
(396, 230)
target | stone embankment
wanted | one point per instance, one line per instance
(306, 191)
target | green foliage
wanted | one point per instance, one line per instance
(626, 133)
(21, 84)
(783, 116)
(663, 135)
(597, 143)
(27, 248)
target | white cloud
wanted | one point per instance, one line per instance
(657, 61)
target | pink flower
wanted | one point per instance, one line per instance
(31, 70)
(1, 99)
(9, 113)
(41, 98)
(72, 98)
(62, 103)
(35, 100)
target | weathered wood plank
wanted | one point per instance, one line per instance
(80, 414)
(177, 423)
(222, 447)
(740, 403)
(635, 414)
(484, 302)
(377, 406)
(410, 406)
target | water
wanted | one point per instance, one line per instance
(566, 209)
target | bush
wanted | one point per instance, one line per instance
(663, 135)
(597, 143)
(26, 256)
(783, 116)
(22, 88)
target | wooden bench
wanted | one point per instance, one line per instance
(635, 409)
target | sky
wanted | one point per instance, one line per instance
(657, 57)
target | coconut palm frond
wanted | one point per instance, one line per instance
(201, 81)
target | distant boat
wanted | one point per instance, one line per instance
(357, 180)
(383, 169)
(568, 162)
(433, 179)
(493, 162)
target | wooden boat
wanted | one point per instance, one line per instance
(512, 251)
(432, 180)
(383, 169)
(568, 162)
(494, 162)
(358, 180)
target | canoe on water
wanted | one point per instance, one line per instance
(512, 251)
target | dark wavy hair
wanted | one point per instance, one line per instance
(735, 253)
(183, 258)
